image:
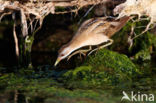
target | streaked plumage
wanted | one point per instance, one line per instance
(92, 32)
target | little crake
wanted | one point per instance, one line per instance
(92, 32)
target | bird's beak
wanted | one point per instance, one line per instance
(57, 61)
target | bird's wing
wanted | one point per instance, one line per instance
(110, 26)
(85, 25)
(90, 24)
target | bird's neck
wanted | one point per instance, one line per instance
(73, 46)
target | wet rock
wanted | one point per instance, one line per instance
(104, 68)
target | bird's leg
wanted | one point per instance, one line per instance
(85, 51)
(80, 51)
(103, 46)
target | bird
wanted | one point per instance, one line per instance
(92, 32)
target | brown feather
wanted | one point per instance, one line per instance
(95, 26)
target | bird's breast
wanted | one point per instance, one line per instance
(96, 39)
(88, 40)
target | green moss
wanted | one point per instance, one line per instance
(142, 42)
(113, 60)
(104, 68)
(143, 55)
(143, 47)
(121, 38)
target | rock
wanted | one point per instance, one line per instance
(104, 68)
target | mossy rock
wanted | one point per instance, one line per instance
(104, 68)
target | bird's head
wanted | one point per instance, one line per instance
(62, 54)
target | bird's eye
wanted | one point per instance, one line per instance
(62, 54)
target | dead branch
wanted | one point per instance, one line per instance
(139, 8)
(41, 8)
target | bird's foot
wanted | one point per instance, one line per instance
(82, 52)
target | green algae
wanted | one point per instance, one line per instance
(36, 88)
(44, 90)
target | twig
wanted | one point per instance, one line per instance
(4, 14)
(86, 14)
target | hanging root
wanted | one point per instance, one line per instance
(148, 26)
(32, 10)
(146, 29)
(16, 41)
(130, 40)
